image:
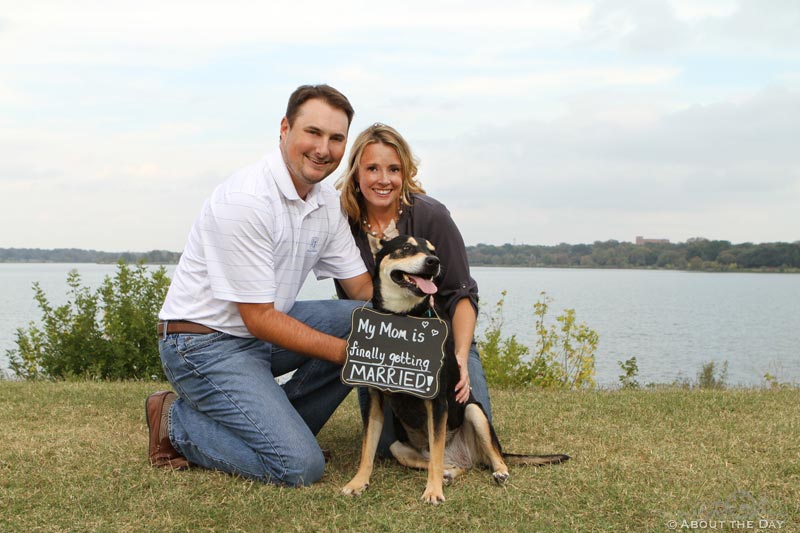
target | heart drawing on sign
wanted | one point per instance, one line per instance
(434, 332)
(425, 323)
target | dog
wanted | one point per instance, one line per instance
(440, 435)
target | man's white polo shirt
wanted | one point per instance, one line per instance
(255, 241)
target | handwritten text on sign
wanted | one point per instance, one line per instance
(395, 353)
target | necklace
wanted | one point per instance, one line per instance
(368, 227)
(388, 228)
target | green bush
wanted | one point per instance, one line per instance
(773, 382)
(631, 369)
(708, 378)
(106, 334)
(502, 358)
(563, 356)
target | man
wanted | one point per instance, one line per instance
(230, 323)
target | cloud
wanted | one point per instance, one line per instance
(542, 121)
(559, 77)
(726, 27)
(727, 157)
(756, 27)
(181, 32)
(645, 26)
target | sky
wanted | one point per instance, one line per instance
(535, 122)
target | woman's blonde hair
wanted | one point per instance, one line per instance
(352, 202)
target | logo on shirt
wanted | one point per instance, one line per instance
(312, 246)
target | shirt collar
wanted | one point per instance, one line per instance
(285, 184)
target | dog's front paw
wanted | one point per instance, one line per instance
(433, 495)
(355, 488)
(500, 477)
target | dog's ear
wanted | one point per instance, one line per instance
(375, 244)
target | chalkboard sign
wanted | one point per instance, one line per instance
(395, 353)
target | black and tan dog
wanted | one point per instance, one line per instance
(440, 435)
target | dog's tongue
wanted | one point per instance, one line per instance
(425, 285)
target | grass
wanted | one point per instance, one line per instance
(73, 458)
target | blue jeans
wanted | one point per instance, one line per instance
(480, 390)
(231, 415)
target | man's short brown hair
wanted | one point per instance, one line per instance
(324, 92)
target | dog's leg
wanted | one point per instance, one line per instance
(437, 429)
(373, 424)
(411, 458)
(489, 450)
(408, 456)
(451, 472)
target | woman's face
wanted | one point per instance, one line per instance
(380, 176)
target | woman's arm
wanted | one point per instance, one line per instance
(458, 292)
(464, 320)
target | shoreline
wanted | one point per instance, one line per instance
(762, 270)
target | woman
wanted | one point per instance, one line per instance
(381, 197)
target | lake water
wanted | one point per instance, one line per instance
(672, 322)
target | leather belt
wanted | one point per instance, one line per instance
(183, 326)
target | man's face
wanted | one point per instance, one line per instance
(313, 147)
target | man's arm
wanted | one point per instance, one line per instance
(271, 325)
(359, 287)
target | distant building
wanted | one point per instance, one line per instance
(642, 240)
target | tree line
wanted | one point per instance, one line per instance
(75, 255)
(694, 254)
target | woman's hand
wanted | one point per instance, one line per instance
(463, 387)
